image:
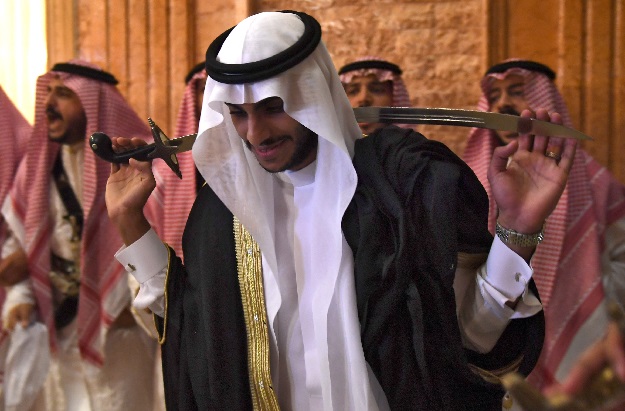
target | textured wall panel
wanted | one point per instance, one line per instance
(617, 133)
(158, 77)
(138, 55)
(438, 44)
(61, 28)
(180, 38)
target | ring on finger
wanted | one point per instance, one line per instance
(552, 154)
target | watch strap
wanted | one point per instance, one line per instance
(513, 237)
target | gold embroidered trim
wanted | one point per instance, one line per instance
(250, 274)
(494, 376)
(161, 338)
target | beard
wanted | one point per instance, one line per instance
(62, 139)
(304, 146)
(74, 130)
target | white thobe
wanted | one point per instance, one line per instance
(125, 381)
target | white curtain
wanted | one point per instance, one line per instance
(23, 52)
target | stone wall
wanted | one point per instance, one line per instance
(438, 44)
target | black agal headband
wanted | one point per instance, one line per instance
(269, 67)
(370, 64)
(85, 71)
(523, 64)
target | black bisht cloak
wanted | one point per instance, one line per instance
(416, 206)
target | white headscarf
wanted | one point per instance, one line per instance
(312, 95)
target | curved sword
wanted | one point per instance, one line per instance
(166, 148)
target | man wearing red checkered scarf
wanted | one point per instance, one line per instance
(56, 211)
(582, 259)
(14, 132)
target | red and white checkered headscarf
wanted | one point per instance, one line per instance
(567, 264)
(14, 133)
(103, 280)
(177, 196)
(400, 98)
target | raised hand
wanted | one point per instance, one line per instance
(127, 190)
(528, 176)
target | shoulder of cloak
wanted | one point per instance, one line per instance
(403, 171)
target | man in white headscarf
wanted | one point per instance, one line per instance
(324, 271)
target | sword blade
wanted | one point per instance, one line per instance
(464, 118)
(184, 143)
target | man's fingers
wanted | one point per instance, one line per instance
(540, 141)
(19, 314)
(526, 141)
(569, 146)
(125, 143)
(554, 144)
(556, 118)
(542, 144)
(10, 321)
(137, 142)
(24, 314)
(499, 161)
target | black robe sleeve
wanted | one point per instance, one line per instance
(416, 206)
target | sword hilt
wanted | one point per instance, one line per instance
(102, 146)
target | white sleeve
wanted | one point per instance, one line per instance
(147, 260)
(481, 299)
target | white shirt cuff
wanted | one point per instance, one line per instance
(147, 260)
(144, 258)
(505, 277)
(506, 271)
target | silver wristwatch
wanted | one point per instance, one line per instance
(515, 238)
